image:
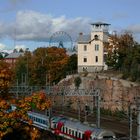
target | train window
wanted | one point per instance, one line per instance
(37, 120)
(41, 120)
(69, 131)
(107, 137)
(83, 136)
(62, 128)
(54, 125)
(79, 135)
(90, 138)
(33, 118)
(66, 130)
(75, 133)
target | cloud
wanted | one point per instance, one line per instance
(119, 16)
(2, 46)
(18, 47)
(31, 25)
(134, 28)
(12, 5)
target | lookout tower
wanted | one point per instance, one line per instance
(91, 50)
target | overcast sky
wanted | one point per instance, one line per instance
(30, 23)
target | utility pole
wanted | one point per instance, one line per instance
(17, 90)
(96, 94)
(138, 122)
(98, 110)
(130, 121)
(79, 110)
(86, 113)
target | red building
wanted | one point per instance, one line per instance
(12, 57)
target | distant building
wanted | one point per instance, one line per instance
(91, 52)
(12, 57)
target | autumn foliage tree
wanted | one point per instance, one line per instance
(124, 55)
(5, 79)
(44, 66)
(10, 120)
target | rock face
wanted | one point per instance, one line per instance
(116, 94)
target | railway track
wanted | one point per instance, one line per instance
(121, 128)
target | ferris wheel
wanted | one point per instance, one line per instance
(61, 39)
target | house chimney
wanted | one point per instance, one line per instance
(80, 34)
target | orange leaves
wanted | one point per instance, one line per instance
(5, 78)
(11, 119)
(3, 105)
(39, 101)
(35, 134)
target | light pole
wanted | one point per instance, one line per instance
(86, 113)
(79, 110)
(27, 75)
(130, 121)
(138, 118)
(98, 110)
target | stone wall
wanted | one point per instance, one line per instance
(115, 93)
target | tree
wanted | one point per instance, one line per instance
(57, 60)
(22, 69)
(5, 79)
(124, 55)
(118, 48)
(38, 67)
(10, 121)
(15, 51)
(21, 50)
(49, 65)
(72, 63)
(77, 82)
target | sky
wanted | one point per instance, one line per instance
(31, 23)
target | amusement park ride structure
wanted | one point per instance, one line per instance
(61, 39)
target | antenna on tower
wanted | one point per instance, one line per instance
(15, 37)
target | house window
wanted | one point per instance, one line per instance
(96, 47)
(96, 59)
(96, 37)
(85, 47)
(105, 57)
(85, 59)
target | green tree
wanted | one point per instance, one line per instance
(22, 69)
(124, 54)
(77, 82)
(72, 63)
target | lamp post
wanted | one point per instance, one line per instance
(79, 110)
(27, 75)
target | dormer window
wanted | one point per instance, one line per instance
(97, 25)
(96, 37)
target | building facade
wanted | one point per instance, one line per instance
(91, 52)
(12, 58)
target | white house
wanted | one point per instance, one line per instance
(91, 52)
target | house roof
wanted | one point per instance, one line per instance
(14, 55)
(99, 23)
(84, 38)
